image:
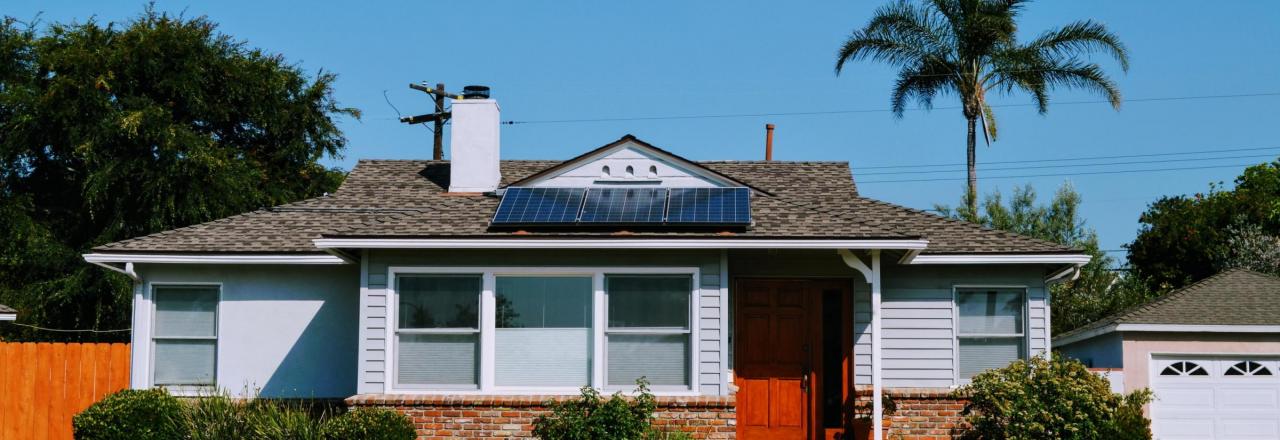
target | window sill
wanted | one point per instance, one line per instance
(531, 400)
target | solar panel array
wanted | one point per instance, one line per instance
(624, 206)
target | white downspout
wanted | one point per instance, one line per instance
(872, 275)
(877, 388)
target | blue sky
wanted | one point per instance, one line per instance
(584, 60)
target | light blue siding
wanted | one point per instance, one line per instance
(1105, 351)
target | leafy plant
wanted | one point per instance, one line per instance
(284, 420)
(216, 417)
(132, 415)
(592, 417)
(370, 424)
(969, 49)
(1056, 398)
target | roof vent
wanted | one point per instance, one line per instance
(475, 92)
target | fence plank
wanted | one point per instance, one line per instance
(8, 364)
(70, 390)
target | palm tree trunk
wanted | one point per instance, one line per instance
(972, 193)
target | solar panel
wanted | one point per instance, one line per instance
(721, 206)
(523, 206)
(624, 205)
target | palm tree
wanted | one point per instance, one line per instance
(968, 48)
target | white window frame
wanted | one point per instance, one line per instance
(184, 390)
(955, 323)
(487, 354)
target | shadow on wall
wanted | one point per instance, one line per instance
(322, 361)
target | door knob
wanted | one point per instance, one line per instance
(804, 379)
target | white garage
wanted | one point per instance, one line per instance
(1218, 398)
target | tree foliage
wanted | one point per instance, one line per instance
(1183, 239)
(111, 131)
(1098, 291)
(969, 49)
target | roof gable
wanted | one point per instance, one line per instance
(628, 161)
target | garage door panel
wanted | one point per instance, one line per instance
(1185, 398)
(1249, 429)
(1248, 399)
(1185, 428)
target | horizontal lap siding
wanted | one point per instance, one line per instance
(711, 315)
(918, 320)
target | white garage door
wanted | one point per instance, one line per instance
(1216, 398)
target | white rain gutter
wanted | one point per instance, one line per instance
(611, 243)
(127, 270)
(213, 259)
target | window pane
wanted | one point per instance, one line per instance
(439, 301)
(437, 359)
(648, 301)
(981, 354)
(990, 311)
(663, 359)
(184, 362)
(543, 302)
(543, 331)
(186, 311)
(543, 357)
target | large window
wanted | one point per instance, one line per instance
(543, 335)
(555, 330)
(438, 335)
(185, 337)
(648, 332)
(991, 331)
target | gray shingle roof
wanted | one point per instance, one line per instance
(6, 309)
(408, 198)
(1233, 297)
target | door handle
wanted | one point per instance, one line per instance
(804, 379)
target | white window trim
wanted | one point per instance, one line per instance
(487, 326)
(151, 339)
(955, 324)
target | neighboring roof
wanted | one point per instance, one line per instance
(7, 313)
(1237, 297)
(7, 309)
(409, 199)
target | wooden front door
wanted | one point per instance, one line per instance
(779, 357)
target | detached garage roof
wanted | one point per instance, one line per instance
(7, 313)
(1231, 301)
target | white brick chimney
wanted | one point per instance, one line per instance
(473, 146)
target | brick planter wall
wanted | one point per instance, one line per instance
(450, 417)
(923, 413)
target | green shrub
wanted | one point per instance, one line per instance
(370, 424)
(1060, 398)
(132, 415)
(591, 417)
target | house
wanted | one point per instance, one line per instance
(7, 313)
(764, 296)
(1210, 352)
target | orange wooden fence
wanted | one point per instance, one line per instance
(43, 385)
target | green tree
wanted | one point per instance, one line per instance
(1183, 239)
(969, 49)
(120, 130)
(1099, 290)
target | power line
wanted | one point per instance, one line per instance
(1131, 162)
(1058, 174)
(878, 110)
(1065, 159)
(70, 331)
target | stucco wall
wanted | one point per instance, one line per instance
(287, 331)
(1140, 346)
(711, 313)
